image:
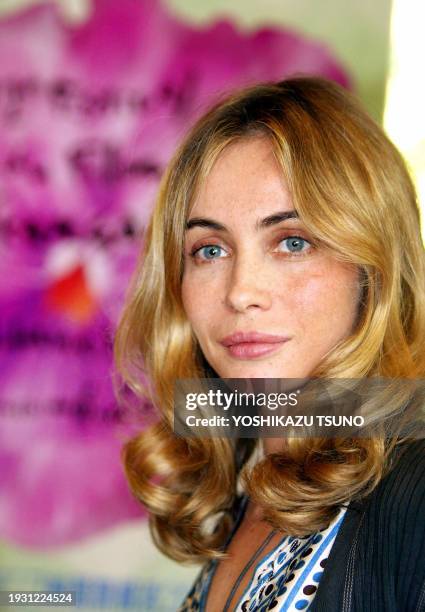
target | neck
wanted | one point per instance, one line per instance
(273, 445)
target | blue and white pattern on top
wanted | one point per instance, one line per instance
(284, 580)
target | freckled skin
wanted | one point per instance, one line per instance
(255, 282)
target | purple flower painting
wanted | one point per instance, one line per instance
(89, 116)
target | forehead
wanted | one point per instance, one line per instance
(246, 177)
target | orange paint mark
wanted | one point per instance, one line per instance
(71, 296)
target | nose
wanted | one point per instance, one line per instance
(248, 286)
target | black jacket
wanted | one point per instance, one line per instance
(377, 561)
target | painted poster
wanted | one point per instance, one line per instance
(90, 113)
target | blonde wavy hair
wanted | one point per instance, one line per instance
(351, 189)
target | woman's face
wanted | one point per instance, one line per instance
(263, 300)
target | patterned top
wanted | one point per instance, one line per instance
(285, 579)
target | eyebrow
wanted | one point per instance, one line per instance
(261, 223)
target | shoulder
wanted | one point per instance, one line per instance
(397, 504)
(399, 532)
(406, 475)
(404, 482)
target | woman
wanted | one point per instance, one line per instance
(285, 243)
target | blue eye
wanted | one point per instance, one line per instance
(295, 244)
(210, 251)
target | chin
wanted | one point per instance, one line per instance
(256, 370)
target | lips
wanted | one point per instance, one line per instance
(251, 337)
(248, 345)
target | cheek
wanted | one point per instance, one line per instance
(196, 303)
(323, 300)
(188, 296)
